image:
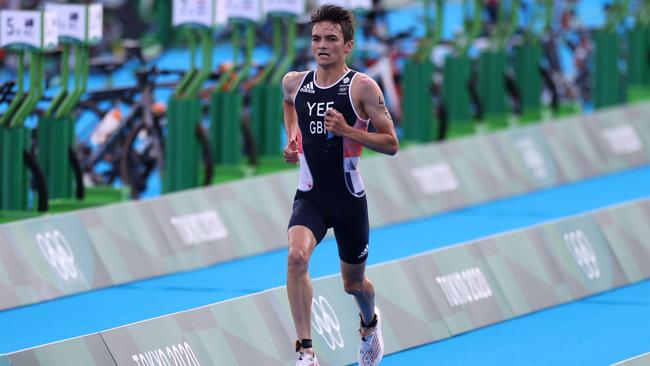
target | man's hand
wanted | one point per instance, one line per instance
(335, 122)
(291, 152)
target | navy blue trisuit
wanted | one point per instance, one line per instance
(331, 193)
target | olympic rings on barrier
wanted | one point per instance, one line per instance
(326, 323)
(57, 252)
(583, 253)
(533, 158)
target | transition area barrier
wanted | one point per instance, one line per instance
(58, 255)
(423, 298)
(641, 360)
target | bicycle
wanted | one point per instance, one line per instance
(134, 147)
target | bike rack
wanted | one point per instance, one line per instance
(266, 95)
(184, 107)
(56, 134)
(418, 122)
(608, 80)
(20, 96)
(492, 67)
(639, 48)
(457, 77)
(261, 116)
(527, 67)
(271, 145)
(226, 102)
(15, 155)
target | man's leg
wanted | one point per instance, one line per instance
(357, 284)
(301, 245)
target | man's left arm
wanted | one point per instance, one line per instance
(371, 103)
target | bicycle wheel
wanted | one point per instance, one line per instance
(140, 158)
(250, 147)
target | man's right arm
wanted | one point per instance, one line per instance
(288, 90)
(289, 86)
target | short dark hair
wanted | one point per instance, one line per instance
(336, 15)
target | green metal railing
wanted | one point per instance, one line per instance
(266, 97)
(419, 123)
(458, 72)
(15, 137)
(226, 103)
(184, 114)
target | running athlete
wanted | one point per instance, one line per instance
(327, 112)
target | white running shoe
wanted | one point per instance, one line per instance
(305, 359)
(372, 346)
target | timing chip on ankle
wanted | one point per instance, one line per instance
(304, 344)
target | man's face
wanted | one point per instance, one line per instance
(327, 44)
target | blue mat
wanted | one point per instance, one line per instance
(599, 330)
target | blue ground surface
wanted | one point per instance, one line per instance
(590, 330)
(599, 330)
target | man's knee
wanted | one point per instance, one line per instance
(353, 287)
(298, 259)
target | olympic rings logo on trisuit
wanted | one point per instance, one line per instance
(57, 252)
(326, 323)
(583, 253)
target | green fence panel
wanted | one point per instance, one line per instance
(607, 80)
(181, 146)
(270, 145)
(428, 122)
(638, 65)
(13, 173)
(410, 122)
(454, 91)
(418, 121)
(258, 113)
(55, 137)
(408, 100)
(491, 82)
(225, 127)
(529, 82)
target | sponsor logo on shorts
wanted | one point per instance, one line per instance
(364, 253)
(326, 323)
(465, 287)
(175, 355)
